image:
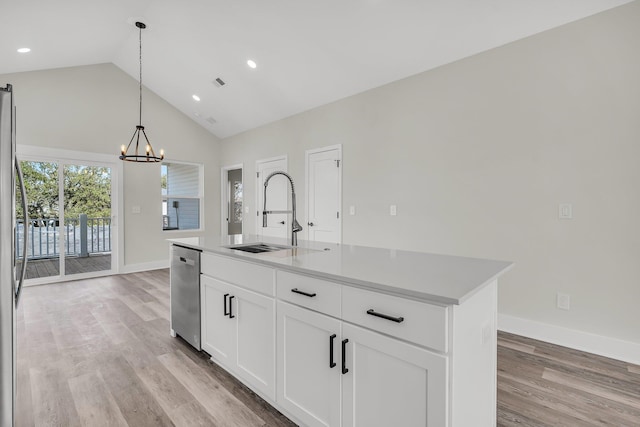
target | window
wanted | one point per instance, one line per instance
(181, 196)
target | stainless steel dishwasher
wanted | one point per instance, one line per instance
(185, 294)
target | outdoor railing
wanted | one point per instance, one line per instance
(83, 236)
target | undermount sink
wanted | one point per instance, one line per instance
(258, 248)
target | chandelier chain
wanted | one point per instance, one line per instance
(140, 59)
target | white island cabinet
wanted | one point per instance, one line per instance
(238, 325)
(330, 343)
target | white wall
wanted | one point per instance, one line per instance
(95, 109)
(478, 154)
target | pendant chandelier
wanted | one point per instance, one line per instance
(148, 155)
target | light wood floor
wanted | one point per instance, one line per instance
(98, 353)
(541, 384)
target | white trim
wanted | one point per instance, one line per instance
(145, 266)
(47, 153)
(284, 157)
(601, 345)
(71, 278)
(224, 196)
(307, 153)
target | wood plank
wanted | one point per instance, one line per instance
(117, 332)
(136, 404)
(577, 383)
(164, 387)
(525, 348)
(53, 403)
(634, 369)
(533, 410)
(192, 414)
(138, 307)
(95, 405)
(223, 407)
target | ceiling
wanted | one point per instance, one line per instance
(308, 53)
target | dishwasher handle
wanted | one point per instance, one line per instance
(187, 261)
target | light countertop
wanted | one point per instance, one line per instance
(428, 277)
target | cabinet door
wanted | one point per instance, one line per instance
(218, 330)
(391, 383)
(255, 339)
(308, 386)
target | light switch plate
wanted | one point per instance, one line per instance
(352, 210)
(246, 209)
(563, 301)
(565, 211)
(393, 211)
(135, 209)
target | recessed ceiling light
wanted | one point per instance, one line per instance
(251, 63)
(195, 97)
(24, 50)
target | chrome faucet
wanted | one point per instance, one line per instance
(295, 227)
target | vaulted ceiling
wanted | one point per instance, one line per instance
(308, 53)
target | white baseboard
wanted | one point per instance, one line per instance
(614, 348)
(145, 266)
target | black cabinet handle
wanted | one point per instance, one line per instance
(231, 316)
(344, 356)
(332, 364)
(306, 294)
(385, 316)
(226, 312)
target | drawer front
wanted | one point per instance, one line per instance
(320, 295)
(421, 323)
(250, 276)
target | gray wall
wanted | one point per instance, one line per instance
(478, 154)
(95, 109)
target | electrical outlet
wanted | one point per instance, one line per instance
(135, 209)
(563, 301)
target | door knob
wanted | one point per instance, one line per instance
(282, 222)
(310, 224)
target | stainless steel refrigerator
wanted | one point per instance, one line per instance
(12, 265)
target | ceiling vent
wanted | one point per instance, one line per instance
(211, 120)
(219, 82)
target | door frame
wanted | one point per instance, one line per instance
(307, 154)
(64, 157)
(284, 157)
(224, 197)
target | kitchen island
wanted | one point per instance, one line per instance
(342, 335)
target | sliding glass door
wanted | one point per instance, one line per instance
(43, 243)
(70, 220)
(87, 218)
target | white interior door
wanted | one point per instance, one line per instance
(324, 194)
(277, 198)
